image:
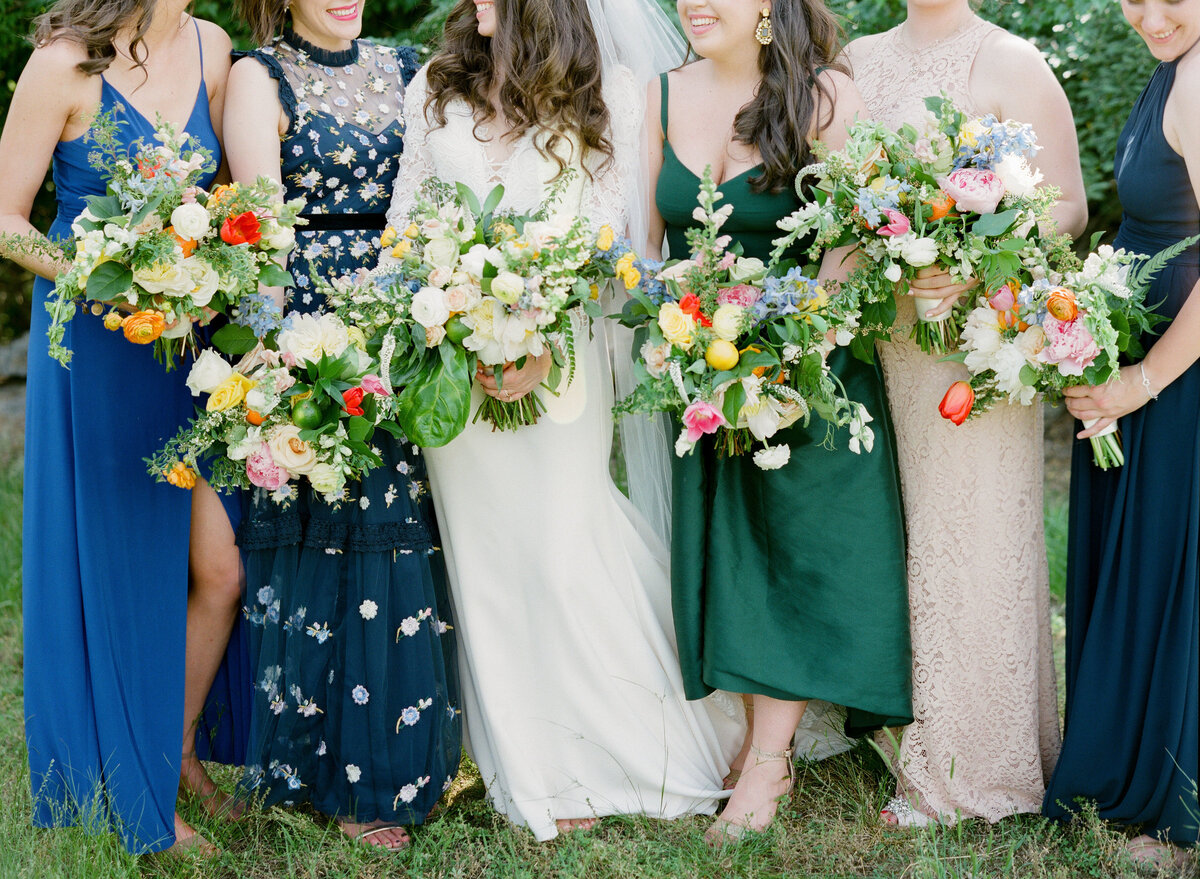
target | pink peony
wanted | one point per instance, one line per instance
(743, 295)
(1069, 346)
(973, 189)
(262, 470)
(372, 385)
(1003, 299)
(897, 224)
(700, 418)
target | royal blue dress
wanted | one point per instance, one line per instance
(356, 706)
(105, 552)
(1133, 571)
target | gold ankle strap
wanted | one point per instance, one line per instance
(761, 756)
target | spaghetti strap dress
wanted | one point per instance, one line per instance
(1133, 567)
(789, 583)
(105, 552)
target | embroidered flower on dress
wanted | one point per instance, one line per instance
(368, 609)
(360, 695)
(353, 773)
(320, 631)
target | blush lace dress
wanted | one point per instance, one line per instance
(985, 735)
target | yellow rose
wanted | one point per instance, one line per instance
(625, 270)
(229, 393)
(604, 241)
(412, 231)
(677, 327)
(403, 246)
(388, 238)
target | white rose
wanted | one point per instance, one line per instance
(462, 297)
(209, 370)
(772, 457)
(166, 278)
(326, 480)
(473, 260)
(289, 451)
(434, 336)
(435, 228)
(654, 358)
(747, 268)
(440, 277)
(727, 322)
(918, 252)
(442, 253)
(205, 280)
(508, 287)
(429, 307)
(277, 237)
(1030, 342)
(191, 221)
(893, 272)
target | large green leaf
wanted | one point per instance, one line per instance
(273, 276)
(234, 339)
(108, 281)
(433, 408)
(995, 224)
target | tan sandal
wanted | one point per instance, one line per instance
(366, 836)
(722, 830)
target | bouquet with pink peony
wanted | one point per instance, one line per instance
(957, 193)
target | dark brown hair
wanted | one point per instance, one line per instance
(265, 18)
(542, 66)
(791, 96)
(94, 24)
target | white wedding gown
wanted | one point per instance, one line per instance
(572, 694)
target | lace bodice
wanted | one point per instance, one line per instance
(895, 78)
(454, 153)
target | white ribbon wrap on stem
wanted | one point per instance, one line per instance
(925, 305)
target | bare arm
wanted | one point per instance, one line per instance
(1179, 346)
(655, 136)
(254, 123)
(47, 106)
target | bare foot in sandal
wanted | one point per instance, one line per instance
(378, 834)
(189, 843)
(195, 781)
(568, 825)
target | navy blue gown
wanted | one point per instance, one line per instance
(356, 702)
(1133, 579)
(105, 553)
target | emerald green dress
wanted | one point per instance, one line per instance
(789, 583)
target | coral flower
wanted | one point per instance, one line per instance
(241, 229)
(143, 327)
(188, 245)
(957, 404)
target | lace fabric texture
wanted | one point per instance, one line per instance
(986, 732)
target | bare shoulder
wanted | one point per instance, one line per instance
(1005, 56)
(249, 73)
(1179, 115)
(214, 37)
(60, 59)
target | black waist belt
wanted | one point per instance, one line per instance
(343, 222)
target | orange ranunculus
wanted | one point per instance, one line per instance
(1061, 305)
(940, 204)
(254, 417)
(181, 475)
(219, 194)
(957, 403)
(188, 245)
(241, 229)
(143, 327)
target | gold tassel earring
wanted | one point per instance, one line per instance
(763, 32)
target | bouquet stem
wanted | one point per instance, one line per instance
(1106, 447)
(510, 416)
(937, 334)
(733, 442)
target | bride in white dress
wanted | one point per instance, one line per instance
(572, 695)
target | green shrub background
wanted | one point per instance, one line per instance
(1101, 63)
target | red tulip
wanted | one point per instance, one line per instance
(352, 400)
(957, 403)
(690, 304)
(242, 229)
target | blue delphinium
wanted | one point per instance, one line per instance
(259, 312)
(785, 295)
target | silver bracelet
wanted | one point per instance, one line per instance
(1146, 382)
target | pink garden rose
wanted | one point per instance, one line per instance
(897, 224)
(262, 470)
(700, 418)
(743, 295)
(373, 385)
(973, 189)
(1069, 346)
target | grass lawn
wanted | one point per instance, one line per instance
(829, 828)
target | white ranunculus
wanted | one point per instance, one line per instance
(543, 233)
(429, 307)
(918, 252)
(772, 457)
(205, 280)
(727, 322)
(209, 370)
(442, 253)
(191, 221)
(326, 480)
(290, 452)
(439, 277)
(473, 260)
(309, 336)
(277, 237)
(462, 297)
(508, 287)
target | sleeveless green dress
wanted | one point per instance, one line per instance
(789, 583)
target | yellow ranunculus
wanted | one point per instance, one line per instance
(229, 393)
(412, 231)
(181, 475)
(403, 246)
(388, 238)
(113, 320)
(604, 241)
(357, 337)
(677, 327)
(626, 271)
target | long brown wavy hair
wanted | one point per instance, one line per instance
(791, 96)
(542, 67)
(265, 17)
(94, 24)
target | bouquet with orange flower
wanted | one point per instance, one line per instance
(1066, 328)
(733, 347)
(303, 404)
(157, 254)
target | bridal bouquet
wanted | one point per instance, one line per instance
(1066, 329)
(307, 406)
(734, 348)
(163, 254)
(958, 193)
(466, 285)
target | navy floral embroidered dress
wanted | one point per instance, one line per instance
(356, 699)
